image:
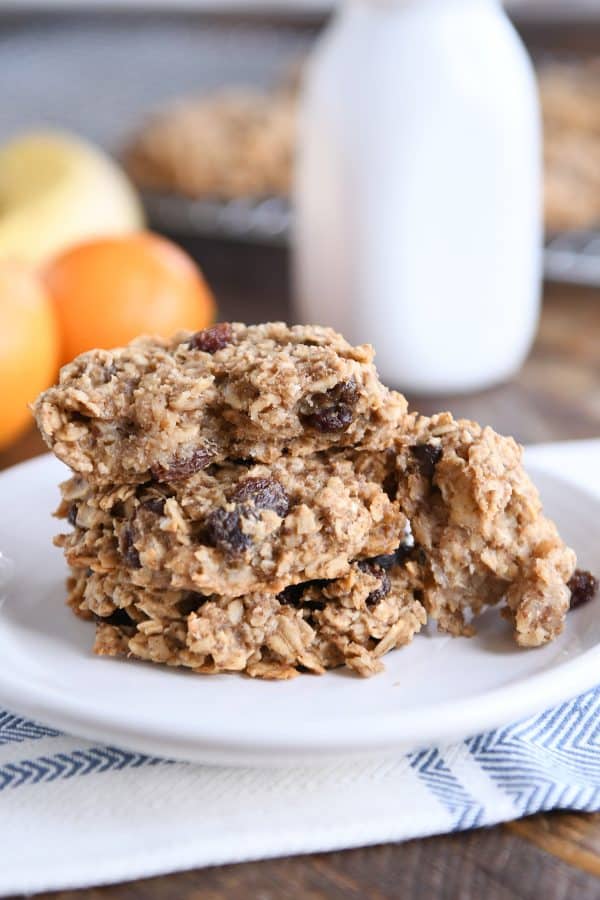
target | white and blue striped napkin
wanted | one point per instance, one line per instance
(75, 813)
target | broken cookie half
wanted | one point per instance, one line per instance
(163, 410)
(253, 499)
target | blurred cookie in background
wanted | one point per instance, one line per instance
(570, 98)
(233, 143)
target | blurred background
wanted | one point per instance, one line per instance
(104, 70)
(197, 104)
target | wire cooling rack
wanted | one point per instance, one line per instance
(264, 221)
(573, 258)
(570, 257)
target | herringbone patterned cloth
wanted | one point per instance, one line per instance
(74, 813)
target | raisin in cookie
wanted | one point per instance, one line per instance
(164, 410)
(318, 625)
(236, 528)
(478, 522)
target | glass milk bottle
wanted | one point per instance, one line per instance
(417, 190)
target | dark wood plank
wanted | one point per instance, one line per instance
(556, 396)
(490, 863)
(26, 447)
(572, 837)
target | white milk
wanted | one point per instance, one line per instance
(418, 190)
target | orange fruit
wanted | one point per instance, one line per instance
(29, 346)
(110, 290)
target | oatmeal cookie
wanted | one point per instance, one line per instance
(236, 528)
(163, 410)
(478, 522)
(570, 98)
(235, 143)
(318, 625)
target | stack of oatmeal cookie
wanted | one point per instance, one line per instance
(254, 499)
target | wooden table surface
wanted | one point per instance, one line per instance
(556, 396)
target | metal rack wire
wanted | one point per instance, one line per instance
(573, 258)
(264, 221)
(570, 257)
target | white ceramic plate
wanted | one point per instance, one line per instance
(436, 690)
